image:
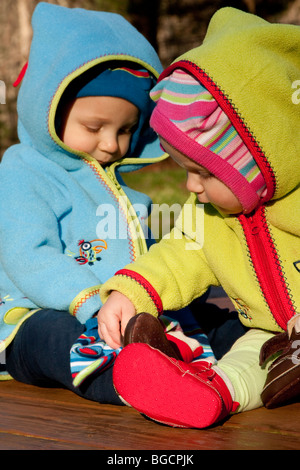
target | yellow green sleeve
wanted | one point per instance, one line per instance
(172, 274)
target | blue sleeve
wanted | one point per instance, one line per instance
(32, 253)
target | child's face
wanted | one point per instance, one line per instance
(207, 187)
(101, 126)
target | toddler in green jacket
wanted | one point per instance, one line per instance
(225, 113)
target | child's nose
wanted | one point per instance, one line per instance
(108, 143)
(193, 183)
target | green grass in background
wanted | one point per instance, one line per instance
(164, 184)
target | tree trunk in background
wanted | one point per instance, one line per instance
(25, 32)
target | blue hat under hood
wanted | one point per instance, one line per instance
(67, 43)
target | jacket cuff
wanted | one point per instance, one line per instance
(141, 293)
(86, 304)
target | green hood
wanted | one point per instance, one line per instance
(250, 66)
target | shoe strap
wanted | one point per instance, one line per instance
(206, 371)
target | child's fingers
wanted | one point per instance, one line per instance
(111, 334)
(113, 318)
(125, 319)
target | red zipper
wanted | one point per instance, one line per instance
(267, 266)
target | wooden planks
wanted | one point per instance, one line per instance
(33, 418)
(43, 419)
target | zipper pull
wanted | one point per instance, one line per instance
(255, 229)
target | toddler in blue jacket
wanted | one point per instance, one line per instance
(68, 221)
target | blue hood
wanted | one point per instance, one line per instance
(64, 47)
(67, 223)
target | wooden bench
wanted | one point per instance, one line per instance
(55, 419)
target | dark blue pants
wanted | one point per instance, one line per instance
(40, 353)
(221, 326)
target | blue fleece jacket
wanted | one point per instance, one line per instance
(67, 223)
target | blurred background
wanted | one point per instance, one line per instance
(171, 26)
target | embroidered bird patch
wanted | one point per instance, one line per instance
(89, 251)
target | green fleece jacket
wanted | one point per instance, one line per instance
(251, 67)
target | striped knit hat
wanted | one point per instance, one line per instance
(189, 118)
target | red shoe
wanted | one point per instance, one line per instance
(170, 391)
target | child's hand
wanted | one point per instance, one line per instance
(113, 318)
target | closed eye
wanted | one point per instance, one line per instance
(93, 130)
(205, 174)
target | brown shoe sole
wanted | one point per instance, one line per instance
(145, 328)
